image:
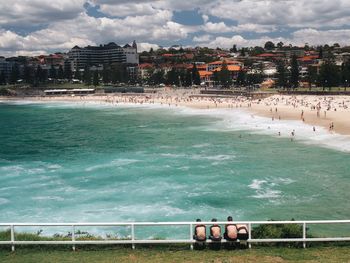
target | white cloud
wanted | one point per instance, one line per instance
(24, 13)
(293, 13)
(203, 38)
(205, 18)
(65, 23)
(298, 38)
(128, 9)
(220, 27)
(146, 47)
(85, 30)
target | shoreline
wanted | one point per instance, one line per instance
(329, 112)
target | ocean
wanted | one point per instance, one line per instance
(64, 162)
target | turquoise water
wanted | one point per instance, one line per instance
(76, 163)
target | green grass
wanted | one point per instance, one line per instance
(317, 252)
(176, 254)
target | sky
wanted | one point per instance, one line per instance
(32, 27)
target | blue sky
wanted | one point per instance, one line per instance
(29, 27)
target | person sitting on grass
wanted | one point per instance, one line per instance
(230, 231)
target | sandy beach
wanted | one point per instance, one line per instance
(330, 112)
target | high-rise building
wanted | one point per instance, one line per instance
(96, 56)
(5, 67)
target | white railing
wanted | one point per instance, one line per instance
(133, 241)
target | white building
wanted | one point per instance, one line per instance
(130, 53)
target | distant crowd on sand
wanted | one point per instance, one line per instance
(234, 234)
(319, 105)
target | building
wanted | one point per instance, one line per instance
(97, 56)
(130, 53)
(5, 67)
(218, 64)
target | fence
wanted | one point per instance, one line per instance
(133, 241)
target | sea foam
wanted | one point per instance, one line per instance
(243, 120)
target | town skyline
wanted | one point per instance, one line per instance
(42, 27)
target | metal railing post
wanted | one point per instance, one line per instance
(191, 236)
(13, 237)
(133, 235)
(73, 237)
(250, 234)
(304, 234)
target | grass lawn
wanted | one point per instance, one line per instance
(176, 254)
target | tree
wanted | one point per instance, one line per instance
(241, 78)
(312, 75)
(257, 51)
(106, 74)
(196, 78)
(280, 45)
(119, 73)
(2, 78)
(243, 52)
(96, 79)
(329, 75)
(14, 76)
(234, 49)
(255, 78)
(77, 74)
(53, 74)
(67, 71)
(269, 45)
(172, 77)
(225, 75)
(27, 74)
(281, 74)
(38, 75)
(60, 73)
(294, 78)
(87, 76)
(320, 53)
(158, 77)
(188, 79)
(345, 74)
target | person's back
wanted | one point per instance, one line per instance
(242, 232)
(230, 230)
(200, 232)
(215, 232)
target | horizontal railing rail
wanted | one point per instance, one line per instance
(133, 241)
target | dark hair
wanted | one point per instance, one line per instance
(229, 218)
(214, 220)
(198, 220)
